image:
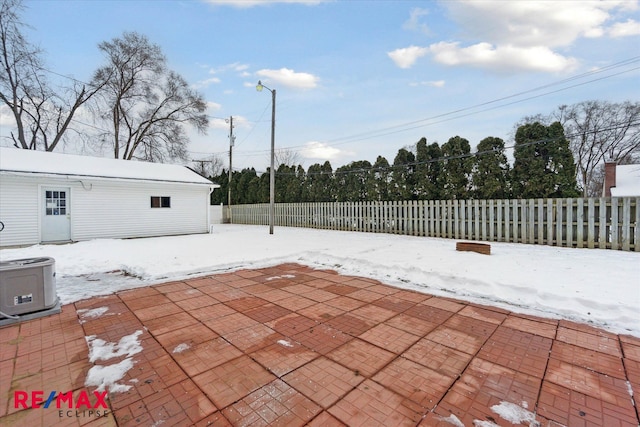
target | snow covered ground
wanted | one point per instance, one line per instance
(600, 287)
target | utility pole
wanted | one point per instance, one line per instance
(202, 162)
(231, 143)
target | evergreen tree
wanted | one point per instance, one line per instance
(219, 195)
(403, 176)
(295, 185)
(428, 170)
(381, 180)
(490, 170)
(245, 189)
(456, 168)
(543, 166)
(285, 175)
(354, 182)
(319, 183)
(263, 187)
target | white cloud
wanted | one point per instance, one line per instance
(6, 117)
(624, 29)
(414, 24)
(235, 66)
(251, 3)
(531, 23)
(213, 106)
(289, 78)
(219, 123)
(407, 56)
(432, 83)
(521, 35)
(320, 150)
(202, 84)
(216, 123)
(502, 58)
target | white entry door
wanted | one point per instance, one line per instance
(56, 214)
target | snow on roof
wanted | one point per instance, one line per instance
(627, 181)
(20, 161)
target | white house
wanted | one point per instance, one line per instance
(621, 180)
(50, 197)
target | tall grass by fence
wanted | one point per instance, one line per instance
(605, 223)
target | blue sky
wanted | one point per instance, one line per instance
(358, 79)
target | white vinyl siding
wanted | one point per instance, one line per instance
(19, 211)
(108, 208)
(122, 209)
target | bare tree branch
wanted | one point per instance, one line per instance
(42, 115)
(149, 105)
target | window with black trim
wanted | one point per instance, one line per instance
(160, 202)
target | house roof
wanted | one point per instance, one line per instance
(627, 181)
(26, 162)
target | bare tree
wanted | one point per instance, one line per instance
(145, 103)
(42, 115)
(600, 131)
(285, 156)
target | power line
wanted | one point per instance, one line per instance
(451, 115)
(444, 116)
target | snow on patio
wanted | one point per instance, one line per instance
(600, 287)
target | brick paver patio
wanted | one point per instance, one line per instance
(292, 346)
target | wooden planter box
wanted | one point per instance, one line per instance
(481, 248)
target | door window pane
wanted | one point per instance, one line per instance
(55, 202)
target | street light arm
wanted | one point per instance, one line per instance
(260, 86)
(272, 175)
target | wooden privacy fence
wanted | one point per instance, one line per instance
(606, 223)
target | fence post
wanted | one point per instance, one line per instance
(485, 216)
(636, 239)
(602, 224)
(580, 222)
(408, 217)
(626, 223)
(559, 223)
(499, 221)
(540, 204)
(515, 222)
(613, 231)
(569, 232)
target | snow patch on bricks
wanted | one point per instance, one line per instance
(181, 347)
(284, 276)
(107, 376)
(453, 420)
(515, 414)
(94, 313)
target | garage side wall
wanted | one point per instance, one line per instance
(18, 212)
(122, 209)
(103, 209)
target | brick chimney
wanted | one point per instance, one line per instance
(609, 178)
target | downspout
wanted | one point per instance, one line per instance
(209, 225)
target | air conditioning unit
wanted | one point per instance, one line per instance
(27, 286)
